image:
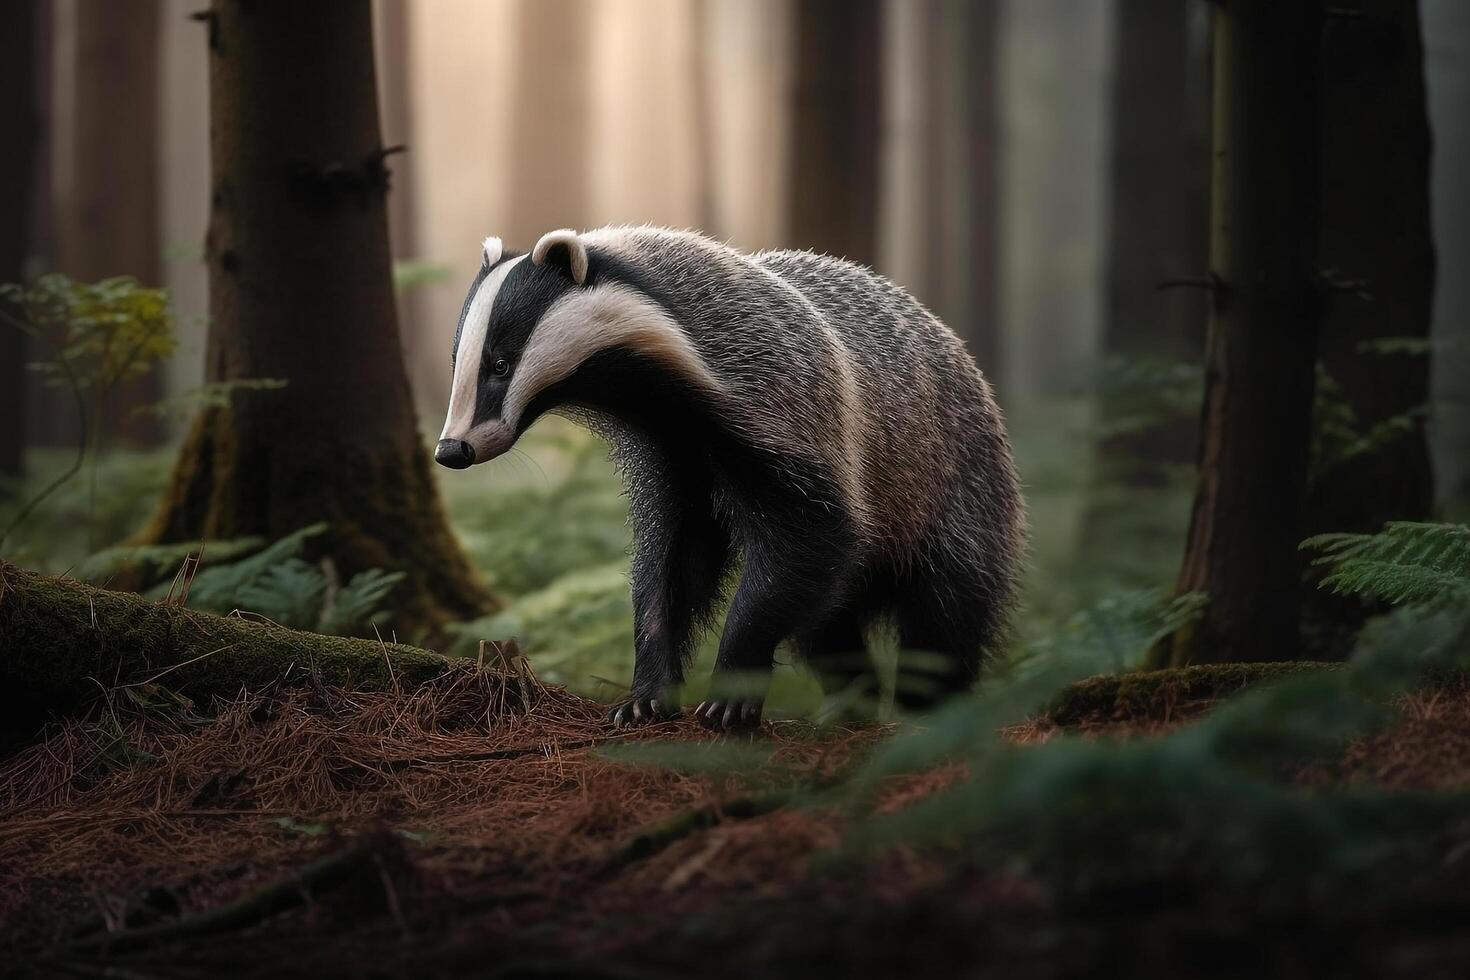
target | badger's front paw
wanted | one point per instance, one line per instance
(641, 710)
(730, 714)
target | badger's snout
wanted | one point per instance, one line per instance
(454, 453)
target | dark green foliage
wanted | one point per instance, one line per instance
(105, 332)
(278, 584)
(156, 562)
(562, 513)
(1209, 805)
(1144, 392)
(63, 641)
(1112, 634)
(1404, 563)
(1338, 435)
(71, 521)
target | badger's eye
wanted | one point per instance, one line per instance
(501, 366)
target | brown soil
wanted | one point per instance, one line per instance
(501, 841)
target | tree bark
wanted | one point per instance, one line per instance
(1260, 357)
(1375, 228)
(19, 94)
(1446, 30)
(834, 190)
(300, 290)
(1159, 220)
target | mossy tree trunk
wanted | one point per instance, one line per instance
(835, 121)
(1376, 231)
(1261, 348)
(301, 291)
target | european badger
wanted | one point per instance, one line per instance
(799, 409)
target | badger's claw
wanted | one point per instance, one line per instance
(640, 711)
(730, 714)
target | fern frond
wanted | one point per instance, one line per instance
(357, 603)
(1405, 563)
(219, 589)
(290, 593)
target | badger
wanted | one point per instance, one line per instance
(791, 414)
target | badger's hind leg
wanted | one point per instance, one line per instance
(942, 633)
(836, 651)
(795, 573)
(681, 554)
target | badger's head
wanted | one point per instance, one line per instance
(528, 327)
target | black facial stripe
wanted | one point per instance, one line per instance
(469, 298)
(464, 311)
(603, 267)
(522, 300)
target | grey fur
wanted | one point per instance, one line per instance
(826, 359)
(893, 493)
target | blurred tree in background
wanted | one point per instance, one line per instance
(1330, 109)
(19, 80)
(301, 291)
(835, 135)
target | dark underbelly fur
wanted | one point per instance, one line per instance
(698, 496)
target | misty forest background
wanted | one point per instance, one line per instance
(1037, 172)
(1209, 254)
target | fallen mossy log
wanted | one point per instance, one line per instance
(1160, 694)
(63, 643)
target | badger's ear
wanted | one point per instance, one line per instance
(491, 251)
(563, 250)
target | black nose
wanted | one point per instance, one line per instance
(454, 453)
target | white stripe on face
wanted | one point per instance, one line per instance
(465, 387)
(586, 321)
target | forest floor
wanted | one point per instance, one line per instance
(446, 832)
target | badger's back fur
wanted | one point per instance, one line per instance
(822, 413)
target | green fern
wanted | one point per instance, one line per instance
(1145, 392)
(156, 562)
(357, 603)
(291, 594)
(1112, 634)
(224, 588)
(1338, 435)
(279, 584)
(1405, 563)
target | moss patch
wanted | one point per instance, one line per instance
(62, 643)
(1162, 694)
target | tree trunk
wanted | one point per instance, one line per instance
(961, 219)
(1375, 228)
(300, 290)
(1159, 221)
(19, 84)
(109, 222)
(834, 190)
(1447, 34)
(1261, 348)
